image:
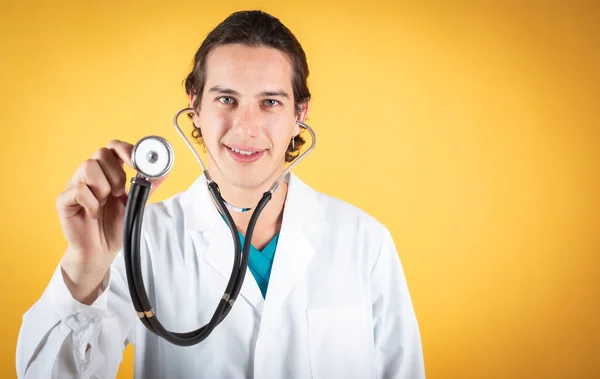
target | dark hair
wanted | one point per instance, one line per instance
(253, 28)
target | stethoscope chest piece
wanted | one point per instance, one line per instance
(152, 157)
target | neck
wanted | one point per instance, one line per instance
(269, 221)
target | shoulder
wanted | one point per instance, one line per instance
(173, 209)
(165, 219)
(354, 223)
(341, 212)
(169, 208)
(331, 207)
(347, 224)
(351, 238)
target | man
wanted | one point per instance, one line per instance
(325, 295)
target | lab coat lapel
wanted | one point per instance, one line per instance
(201, 215)
(299, 240)
(219, 256)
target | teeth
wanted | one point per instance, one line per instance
(242, 151)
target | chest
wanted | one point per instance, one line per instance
(316, 316)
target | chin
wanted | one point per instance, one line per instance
(247, 180)
(253, 179)
(261, 174)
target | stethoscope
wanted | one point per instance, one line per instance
(152, 158)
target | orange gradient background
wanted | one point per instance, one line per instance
(470, 129)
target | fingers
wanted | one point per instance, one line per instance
(74, 198)
(112, 169)
(103, 175)
(105, 166)
(90, 173)
(122, 150)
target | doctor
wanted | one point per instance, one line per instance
(324, 297)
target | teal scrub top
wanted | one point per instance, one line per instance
(261, 262)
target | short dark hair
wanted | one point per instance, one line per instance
(253, 28)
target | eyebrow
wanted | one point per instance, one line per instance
(275, 93)
(224, 91)
(229, 91)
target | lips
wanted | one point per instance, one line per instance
(244, 151)
(245, 154)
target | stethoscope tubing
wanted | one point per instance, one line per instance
(136, 202)
(132, 239)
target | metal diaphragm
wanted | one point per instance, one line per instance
(152, 157)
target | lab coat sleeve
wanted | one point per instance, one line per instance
(63, 338)
(396, 331)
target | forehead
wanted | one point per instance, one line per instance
(248, 68)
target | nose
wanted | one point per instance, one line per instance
(247, 122)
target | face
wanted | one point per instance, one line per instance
(247, 114)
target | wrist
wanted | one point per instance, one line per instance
(83, 279)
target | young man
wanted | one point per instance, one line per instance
(325, 295)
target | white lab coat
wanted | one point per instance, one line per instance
(337, 304)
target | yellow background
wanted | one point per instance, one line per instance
(470, 129)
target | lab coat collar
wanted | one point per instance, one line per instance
(199, 210)
(302, 208)
(299, 238)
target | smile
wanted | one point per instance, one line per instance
(245, 154)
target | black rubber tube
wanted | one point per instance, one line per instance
(132, 230)
(248, 242)
(130, 212)
(183, 339)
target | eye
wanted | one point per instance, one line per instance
(226, 99)
(270, 103)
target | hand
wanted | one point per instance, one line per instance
(91, 212)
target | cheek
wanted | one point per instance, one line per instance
(282, 132)
(214, 125)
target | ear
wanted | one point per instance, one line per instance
(301, 115)
(192, 98)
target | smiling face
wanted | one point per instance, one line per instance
(247, 114)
